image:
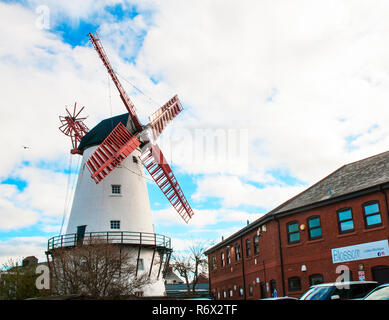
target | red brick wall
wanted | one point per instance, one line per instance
(314, 254)
(264, 265)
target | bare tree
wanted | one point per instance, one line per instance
(17, 281)
(96, 269)
(184, 267)
(199, 261)
(189, 265)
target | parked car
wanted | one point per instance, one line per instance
(339, 290)
(280, 298)
(379, 293)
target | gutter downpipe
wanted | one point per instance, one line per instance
(209, 281)
(386, 201)
(281, 258)
(243, 274)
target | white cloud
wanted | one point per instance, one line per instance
(234, 193)
(203, 218)
(319, 62)
(13, 216)
(42, 199)
(45, 191)
(21, 247)
(301, 78)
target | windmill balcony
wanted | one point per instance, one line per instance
(144, 239)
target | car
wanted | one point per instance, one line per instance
(379, 293)
(346, 290)
(280, 298)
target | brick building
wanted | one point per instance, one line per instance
(337, 228)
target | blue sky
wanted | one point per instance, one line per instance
(307, 96)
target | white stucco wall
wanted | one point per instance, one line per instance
(95, 206)
(157, 286)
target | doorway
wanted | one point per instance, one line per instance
(380, 274)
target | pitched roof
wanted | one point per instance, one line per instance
(347, 179)
(171, 277)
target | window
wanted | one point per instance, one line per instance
(134, 159)
(294, 284)
(315, 279)
(273, 288)
(230, 292)
(262, 289)
(240, 291)
(116, 189)
(115, 224)
(293, 232)
(345, 220)
(237, 252)
(248, 248)
(213, 263)
(250, 289)
(224, 294)
(372, 215)
(314, 228)
(228, 256)
(222, 259)
(256, 244)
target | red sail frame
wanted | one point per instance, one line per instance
(165, 114)
(156, 164)
(94, 38)
(119, 144)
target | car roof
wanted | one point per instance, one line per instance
(330, 284)
(279, 298)
(383, 285)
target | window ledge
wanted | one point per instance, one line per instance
(294, 245)
(374, 229)
(116, 195)
(346, 234)
(315, 241)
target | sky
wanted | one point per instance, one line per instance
(276, 95)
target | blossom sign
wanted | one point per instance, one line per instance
(362, 251)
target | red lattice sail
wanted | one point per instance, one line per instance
(165, 114)
(160, 171)
(119, 144)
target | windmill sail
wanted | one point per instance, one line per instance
(156, 164)
(165, 114)
(119, 144)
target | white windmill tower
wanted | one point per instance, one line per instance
(111, 198)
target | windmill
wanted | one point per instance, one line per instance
(123, 140)
(111, 198)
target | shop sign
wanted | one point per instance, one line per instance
(361, 251)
